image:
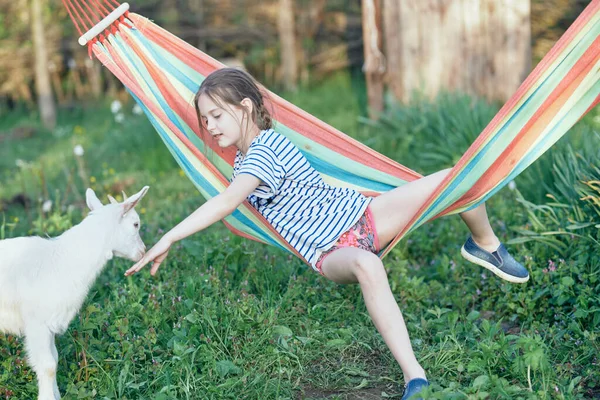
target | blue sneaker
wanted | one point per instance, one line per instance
(413, 387)
(499, 262)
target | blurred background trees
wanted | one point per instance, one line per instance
(286, 43)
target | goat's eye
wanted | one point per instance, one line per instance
(136, 225)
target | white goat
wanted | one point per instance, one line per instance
(43, 282)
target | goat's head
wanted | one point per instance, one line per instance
(124, 222)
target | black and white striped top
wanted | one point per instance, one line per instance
(308, 213)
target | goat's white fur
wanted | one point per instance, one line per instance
(43, 282)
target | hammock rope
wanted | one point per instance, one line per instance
(162, 72)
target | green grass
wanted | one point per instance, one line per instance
(228, 318)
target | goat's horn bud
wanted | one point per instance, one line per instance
(112, 199)
(124, 195)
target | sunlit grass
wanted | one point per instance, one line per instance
(230, 318)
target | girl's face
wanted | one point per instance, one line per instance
(225, 125)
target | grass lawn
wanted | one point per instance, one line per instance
(228, 318)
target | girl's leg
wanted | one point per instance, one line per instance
(351, 265)
(394, 209)
(481, 231)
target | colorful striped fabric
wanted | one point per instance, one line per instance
(162, 72)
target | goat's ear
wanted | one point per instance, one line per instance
(92, 200)
(112, 199)
(133, 200)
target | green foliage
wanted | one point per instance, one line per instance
(230, 318)
(569, 222)
(430, 135)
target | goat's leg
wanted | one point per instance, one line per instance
(55, 355)
(39, 343)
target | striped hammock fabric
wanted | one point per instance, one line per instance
(162, 73)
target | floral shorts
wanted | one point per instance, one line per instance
(361, 235)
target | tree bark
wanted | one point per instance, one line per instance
(42, 74)
(287, 40)
(375, 64)
(393, 47)
(94, 73)
(481, 47)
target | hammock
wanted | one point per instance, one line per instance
(162, 72)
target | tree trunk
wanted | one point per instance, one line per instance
(42, 74)
(480, 47)
(94, 73)
(517, 63)
(393, 47)
(287, 40)
(374, 66)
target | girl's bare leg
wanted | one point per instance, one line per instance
(394, 209)
(478, 223)
(351, 265)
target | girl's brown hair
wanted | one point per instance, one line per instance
(231, 86)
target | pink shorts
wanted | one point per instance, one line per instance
(361, 235)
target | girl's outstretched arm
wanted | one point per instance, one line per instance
(207, 214)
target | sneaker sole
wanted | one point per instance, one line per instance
(491, 267)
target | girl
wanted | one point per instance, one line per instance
(338, 231)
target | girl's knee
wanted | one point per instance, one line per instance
(368, 268)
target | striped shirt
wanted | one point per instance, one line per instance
(292, 196)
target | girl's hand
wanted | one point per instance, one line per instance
(210, 212)
(156, 254)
